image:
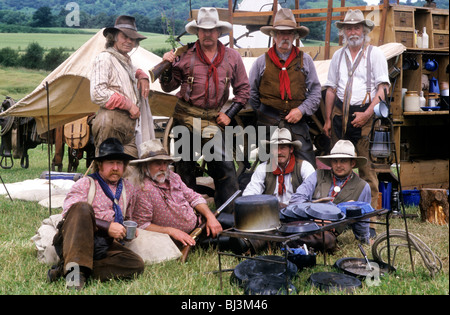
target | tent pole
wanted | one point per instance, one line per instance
(48, 152)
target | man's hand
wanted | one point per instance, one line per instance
(223, 120)
(294, 116)
(213, 227)
(143, 85)
(181, 236)
(134, 112)
(117, 231)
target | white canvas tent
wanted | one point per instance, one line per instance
(69, 97)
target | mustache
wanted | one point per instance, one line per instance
(158, 174)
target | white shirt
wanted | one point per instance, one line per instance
(256, 185)
(379, 71)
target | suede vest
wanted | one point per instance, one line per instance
(269, 88)
(271, 180)
(351, 191)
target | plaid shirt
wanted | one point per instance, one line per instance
(103, 206)
(170, 204)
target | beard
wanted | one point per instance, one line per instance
(160, 177)
(355, 41)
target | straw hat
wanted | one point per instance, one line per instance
(126, 24)
(285, 20)
(112, 149)
(343, 149)
(153, 150)
(208, 18)
(355, 17)
(283, 136)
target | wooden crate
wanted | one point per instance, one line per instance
(406, 38)
(440, 40)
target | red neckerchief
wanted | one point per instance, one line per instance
(212, 70)
(285, 82)
(289, 169)
(337, 189)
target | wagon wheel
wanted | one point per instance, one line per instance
(201, 168)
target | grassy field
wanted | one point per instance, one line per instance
(72, 42)
(21, 273)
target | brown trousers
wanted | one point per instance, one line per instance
(74, 243)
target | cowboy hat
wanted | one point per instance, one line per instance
(208, 18)
(285, 20)
(126, 24)
(112, 149)
(283, 136)
(355, 17)
(153, 150)
(343, 149)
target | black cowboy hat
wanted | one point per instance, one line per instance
(112, 149)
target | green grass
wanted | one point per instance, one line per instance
(74, 41)
(21, 273)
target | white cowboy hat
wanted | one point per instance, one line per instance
(283, 136)
(285, 20)
(343, 149)
(355, 17)
(153, 150)
(208, 18)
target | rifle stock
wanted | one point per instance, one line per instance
(157, 70)
(196, 233)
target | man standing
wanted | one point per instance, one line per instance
(166, 204)
(285, 175)
(204, 74)
(89, 236)
(357, 77)
(284, 83)
(120, 89)
(339, 184)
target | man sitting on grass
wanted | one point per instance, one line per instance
(89, 238)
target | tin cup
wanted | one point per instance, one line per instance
(130, 226)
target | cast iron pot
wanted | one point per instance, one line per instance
(257, 213)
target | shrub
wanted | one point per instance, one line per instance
(32, 59)
(54, 58)
(9, 57)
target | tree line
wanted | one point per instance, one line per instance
(34, 57)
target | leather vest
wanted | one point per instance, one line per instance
(296, 177)
(351, 191)
(269, 88)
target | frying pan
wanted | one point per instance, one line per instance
(298, 227)
(324, 211)
(357, 267)
(333, 281)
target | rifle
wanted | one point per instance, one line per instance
(196, 233)
(157, 70)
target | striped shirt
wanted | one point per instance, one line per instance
(108, 76)
(170, 204)
(103, 206)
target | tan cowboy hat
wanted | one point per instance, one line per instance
(283, 136)
(355, 17)
(285, 20)
(126, 24)
(208, 18)
(153, 150)
(343, 149)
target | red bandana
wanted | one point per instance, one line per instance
(285, 83)
(212, 70)
(279, 171)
